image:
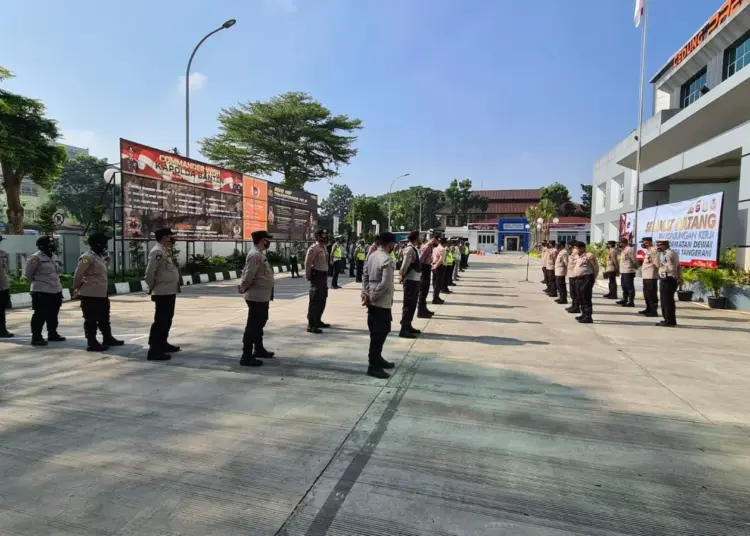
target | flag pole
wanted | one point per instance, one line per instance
(640, 124)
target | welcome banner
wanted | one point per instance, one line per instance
(692, 228)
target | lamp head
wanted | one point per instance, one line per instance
(229, 23)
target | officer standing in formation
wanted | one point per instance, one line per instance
(425, 258)
(561, 271)
(90, 283)
(650, 272)
(670, 276)
(587, 268)
(163, 280)
(4, 293)
(627, 267)
(316, 272)
(456, 251)
(337, 260)
(611, 270)
(377, 295)
(294, 260)
(575, 307)
(439, 256)
(448, 272)
(256, 286)
(550, 265)
(545, 252)
(43, 270)
(360, 253)
(411, 273)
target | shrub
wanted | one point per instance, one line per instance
(600, 251)
(275, 258)
(714, 280)
(689, 276)
(218, 263)
(235, 261)
(198, 264)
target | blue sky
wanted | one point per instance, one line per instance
(512, 94)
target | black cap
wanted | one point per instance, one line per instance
(161, 233)
(98, 239)
(413, 236)
(662, 241)
(320, 232)
(611, 243)
(44, 241)
(649, 238)
(260, 235)
(386, 238)
(551, 242)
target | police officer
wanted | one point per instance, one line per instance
(337, 258)
(377, 295)
(411, 273)
(550, 265)
(545, 252)
(439, 256)
(294, 260)
(448, 270)
(4, 293)
(256, 287)
(627, 273)
(162, 278)
(670, 275)
(586, 270)
(425, 258)
(456, 261)
(90, 285)
(575, 307)
(351, 257)
(650, 272)
(43, 270)
(561, 270)
(316, 272)
(360, 253)
(611, 270)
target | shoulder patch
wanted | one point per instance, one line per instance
(256, 260)
(159, 257)
(84, 261)
(33, 260)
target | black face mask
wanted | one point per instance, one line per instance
(99, 249)
(266, 244)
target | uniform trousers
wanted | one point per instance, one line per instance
(163, 315)
(257, 316)
(4, 301)
(95, 316)
(318, 298)
(447, 277)
(456, 269)
(46, 307)
(585, 294)
(411, 295)
(573, 282)
(562, 290)
(464, 262)
(424, 287)
(667, 288)
(650, 295)
(379, 323)
(352, 264)
(612, 279)
(294, 265)
(627, 282)
(337, 269)
(360, 268)
(544, 276)
(437, 282)
(551, 286)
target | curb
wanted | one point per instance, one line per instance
(23, 299)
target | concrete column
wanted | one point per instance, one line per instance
(743, 212)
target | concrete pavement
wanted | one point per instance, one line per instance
(505, 417)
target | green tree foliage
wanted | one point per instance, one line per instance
(97, 223)
(292, 135)
(27, 149)
(367, 209)
(461, 202)
(559, 196)
(586, 200)
(46, 217)
(338, 202)
(81, 187)
(405, 207)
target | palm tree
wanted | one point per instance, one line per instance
(547, 211)
(533, 213)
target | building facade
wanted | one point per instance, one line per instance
(697, 141)
(500, 204)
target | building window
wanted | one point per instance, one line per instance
(692, 89)
(737, 56)
(565, 238)
(486, 238)
(29, 189)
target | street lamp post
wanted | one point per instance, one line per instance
(227, 24)
(390, 194)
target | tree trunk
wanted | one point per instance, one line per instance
(12, 185)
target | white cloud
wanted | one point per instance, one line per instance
(197, 82)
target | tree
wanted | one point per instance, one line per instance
(338, 202)
(81, 186)
(406, 203)
(27, 149)
(586, 200)
(292, 135)
(533, 213)
(558, 195)
(46, 217)
(547, 211)
(367, 209)
(461, 201)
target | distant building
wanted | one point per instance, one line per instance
(501, 204)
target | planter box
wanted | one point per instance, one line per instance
(685, 295)
(719, 302)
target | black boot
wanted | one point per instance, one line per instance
(55, 337)
(562, 301)
(5, 334)
(313, 329)
(414, 330)
(171, 349)
(156, 355)
(425, 314)
(250, 361)
(95, 346)
(406, 334)
(623, 301)
(38, 340)
(262, 352)
(376, 372)
(111, 341)
(574, 310)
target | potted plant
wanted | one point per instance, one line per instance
(689, 277)
(715, 281)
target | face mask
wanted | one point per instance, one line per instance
(266, 244)
(99, 249)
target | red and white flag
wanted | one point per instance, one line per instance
(640, 6)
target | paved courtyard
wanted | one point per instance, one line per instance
(505, 417)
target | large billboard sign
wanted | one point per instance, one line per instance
(692, 227)
(292, 214)
(198, 201)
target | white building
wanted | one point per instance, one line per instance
(698, 140)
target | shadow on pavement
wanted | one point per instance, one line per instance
(449, 301)
(439, 316)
